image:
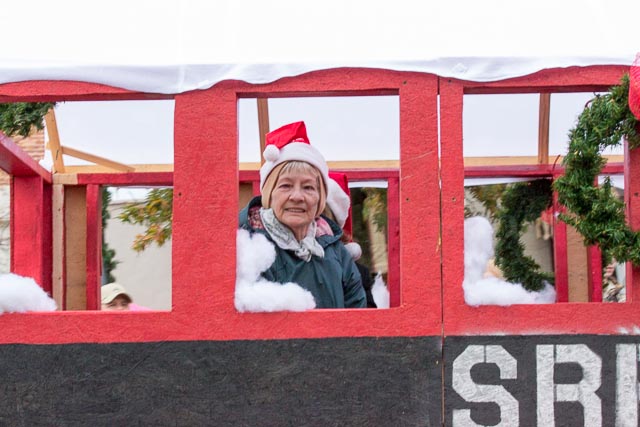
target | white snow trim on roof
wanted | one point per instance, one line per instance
(173, 46)
(173, 79)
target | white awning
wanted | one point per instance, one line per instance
(172, 46)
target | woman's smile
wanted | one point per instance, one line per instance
(295, 210)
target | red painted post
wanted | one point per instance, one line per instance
(393, 246)
(30, 225)
(94, 246)
(255, 185)
(632, 200)
(560, 254)
(594, 264)
(452, 198)
(16, 162)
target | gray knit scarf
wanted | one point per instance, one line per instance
(284, 238)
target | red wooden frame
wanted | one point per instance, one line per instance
(204, 222)
(393, 215)
(430, 228)
(124, 179)
(31, 216)
(461, 319)
(16, 162)
(31, 229)
(94, 184)
(94, 245)
(560, 253)
(632, 200)
(594, 264)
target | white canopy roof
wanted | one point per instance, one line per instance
(171, 46)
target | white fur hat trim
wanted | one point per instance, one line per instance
(299, 151)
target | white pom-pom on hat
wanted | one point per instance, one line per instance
(354, 250)
(271, 153)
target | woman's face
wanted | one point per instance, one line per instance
(294, 201)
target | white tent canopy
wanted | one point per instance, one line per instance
(171, 46)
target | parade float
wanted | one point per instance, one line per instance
(431, 358)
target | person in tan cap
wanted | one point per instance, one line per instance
(115, 297)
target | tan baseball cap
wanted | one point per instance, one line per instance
(111, 291)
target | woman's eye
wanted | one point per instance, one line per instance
(309, 188)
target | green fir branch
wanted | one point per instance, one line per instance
(19, 118)
(521, 203)
(596, 212)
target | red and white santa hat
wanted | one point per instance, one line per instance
(339, 201)
(290, 143)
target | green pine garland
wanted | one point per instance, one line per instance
(594, 211)
(18, 118)
(521, 203)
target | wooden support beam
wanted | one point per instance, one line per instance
(543, 128)
(75, 247)
(73, 169)
(577, 267)
(58, 291)
(54, 141)
(15, 161)
(245, 193)
(96, 159)
(263, 123)
(30, 225)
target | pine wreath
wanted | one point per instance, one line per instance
(521, 203)
(594, 211)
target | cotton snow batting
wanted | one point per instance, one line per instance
(21, 294)
(380, 292)
(478, 290)
(255, 254)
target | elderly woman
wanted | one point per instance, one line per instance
(294, 181)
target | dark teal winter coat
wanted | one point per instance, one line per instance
(334, 281)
